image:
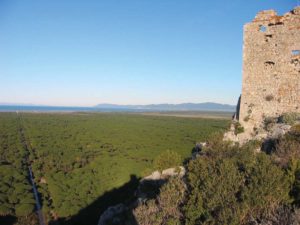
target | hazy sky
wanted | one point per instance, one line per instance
(68, 52)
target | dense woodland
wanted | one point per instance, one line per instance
(16, 197)
(77, 158)
(84, 163)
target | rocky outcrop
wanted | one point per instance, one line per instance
(149, 187)
(165, 174)
(272, 128)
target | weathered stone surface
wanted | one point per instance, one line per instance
(156, 175)
(279, 130)
(171, 172)
(271, 70)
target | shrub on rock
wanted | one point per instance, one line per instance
(167, 159)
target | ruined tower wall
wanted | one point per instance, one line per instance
(271, 67)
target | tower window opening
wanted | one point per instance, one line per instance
(262, 28)
(295, 52)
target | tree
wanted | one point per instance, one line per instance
(167, 159)
(24, 209)
(5, 209)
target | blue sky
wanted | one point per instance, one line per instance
(81, 53)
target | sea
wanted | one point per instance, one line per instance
(21, 108)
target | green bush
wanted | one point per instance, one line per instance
(283, 215)
(293, 172)
(289, 118)
(269, 122)
(149, 213)
(233, 185)
(167, 159)
(5, 209)
(215, 141)
(214, 186)
(287, 148)
(24, 209)
(295, 130)
(267, 187)
(238, 129)
(165, 209)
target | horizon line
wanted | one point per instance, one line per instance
(105, 103)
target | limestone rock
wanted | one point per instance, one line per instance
(279, 130)
(171, 172)
(156, 175)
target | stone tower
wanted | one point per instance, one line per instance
(271, 68)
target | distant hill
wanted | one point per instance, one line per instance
(206, 106)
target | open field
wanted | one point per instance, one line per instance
(192, 114)
(78, 157)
